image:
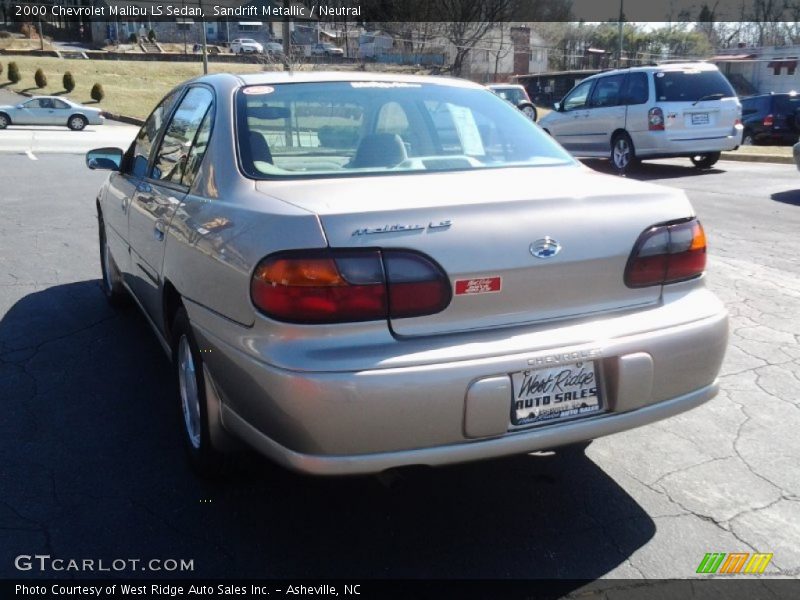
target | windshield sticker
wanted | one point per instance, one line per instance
(467, 129)
(257, 90)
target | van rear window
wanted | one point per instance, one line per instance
(691, 85)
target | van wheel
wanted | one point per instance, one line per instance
(203, 457)
(705, 161)
(622, 152)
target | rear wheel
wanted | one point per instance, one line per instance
(4, 121)
(705, 161)
(529, 110)
(77, 122)
(622, 152)
(747, 138)
(203, 457)
(111, 284)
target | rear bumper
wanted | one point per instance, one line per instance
(653, 362)
(671, 144)
(519, 443)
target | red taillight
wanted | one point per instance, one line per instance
(655, 119)
(338, 286)
(667, 254)
(769, 121)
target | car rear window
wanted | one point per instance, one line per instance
(786, 105)
(362, 127)
(690, 85)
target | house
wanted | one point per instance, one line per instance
(506, 50)
(760, 70)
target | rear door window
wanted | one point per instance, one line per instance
(637, 89)
(690, 85)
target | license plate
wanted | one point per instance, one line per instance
(699, 118)
(555, 393)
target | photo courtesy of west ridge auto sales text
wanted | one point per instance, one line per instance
(491, 299)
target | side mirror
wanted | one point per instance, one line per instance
(104, 159)
(19, 106)
(557, 106)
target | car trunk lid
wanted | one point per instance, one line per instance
(487, 228)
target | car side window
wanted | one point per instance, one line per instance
(607, 91)
(637, 89)
(198, 150)
(143, 144)
(176, 145)
(576, 99)
(60, 104)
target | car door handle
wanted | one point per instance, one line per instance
(158, 231)
(124, 205)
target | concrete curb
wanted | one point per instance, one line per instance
(761, 158)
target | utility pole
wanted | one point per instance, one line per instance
(621, 23)
(41, 37)
(205, 41)
(287, 43)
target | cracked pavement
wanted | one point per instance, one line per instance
(91, 464)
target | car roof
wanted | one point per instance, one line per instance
(700, 66)
(277, 77)
(504, 86)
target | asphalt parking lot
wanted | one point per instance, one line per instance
(91, 464)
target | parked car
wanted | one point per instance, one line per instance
(326, 49)
(771, 119)
(273, 49)
(50, 110)
(346, 291)
(672, 110)
(246, 46)
(517, 96)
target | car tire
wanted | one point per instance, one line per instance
(5, 121)
(77, 122)
(705, 161)
(748, 139)
(529, 110)
(623, 154)
(204, 459)
(111, 282)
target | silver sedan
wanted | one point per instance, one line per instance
(354, 272)
(50, 110)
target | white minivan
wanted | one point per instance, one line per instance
(687, 109)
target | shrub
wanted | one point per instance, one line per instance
(151, 35)
(1, 68)
(40, 78)
(4, 35)
(68, 81)
(13, 73)
(132, 39)
(97, 92)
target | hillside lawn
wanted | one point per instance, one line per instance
(132, 88)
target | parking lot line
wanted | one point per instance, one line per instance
(31, 155)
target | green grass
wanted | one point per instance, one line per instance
(132, 88)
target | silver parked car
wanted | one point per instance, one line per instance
(50, 110)
(671, 110)
(353, 272)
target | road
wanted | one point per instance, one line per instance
(92, 466)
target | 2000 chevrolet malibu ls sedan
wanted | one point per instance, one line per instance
(354, 272)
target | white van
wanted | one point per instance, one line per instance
(686, 109)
